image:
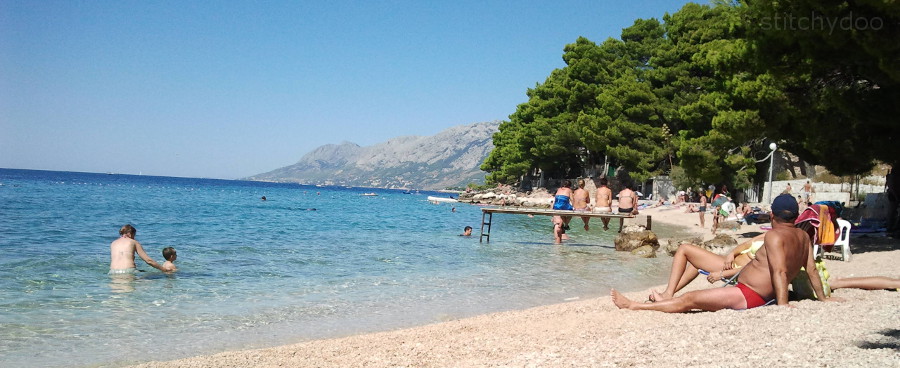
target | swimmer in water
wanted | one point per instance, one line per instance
(170, 255)
(122, 250)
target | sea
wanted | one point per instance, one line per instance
(307, 263)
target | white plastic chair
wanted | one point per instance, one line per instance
(843, 241)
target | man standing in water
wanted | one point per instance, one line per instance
(121, 253)
(766, 277)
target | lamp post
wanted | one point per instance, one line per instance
(773, 147)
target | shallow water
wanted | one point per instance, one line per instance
(256, 273)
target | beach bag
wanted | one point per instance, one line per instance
(726, 208)
(802, 287)
(719, 200)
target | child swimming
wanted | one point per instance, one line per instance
(170, 255)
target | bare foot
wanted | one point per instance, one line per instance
(586, 228)
(620, 300)
(657, 296)
(605, 227)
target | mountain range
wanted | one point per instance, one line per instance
(450, 158)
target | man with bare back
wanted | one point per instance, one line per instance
(785, 250)
(604, 201)
(122, 250)
(581, 200)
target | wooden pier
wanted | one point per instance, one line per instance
(487, 216)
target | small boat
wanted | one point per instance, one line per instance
(442, 199)
(370, 194)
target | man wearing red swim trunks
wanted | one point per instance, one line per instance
(766, 277)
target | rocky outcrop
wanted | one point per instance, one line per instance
(644, 251)
(721, 244)
(633, 237)
(505, 196)
(729, 226)
(672, 245)
(451, 158)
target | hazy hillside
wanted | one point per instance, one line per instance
(450, 158)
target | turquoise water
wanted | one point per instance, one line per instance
(256, 273)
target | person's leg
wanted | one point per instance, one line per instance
(865, 283)
(687, 259)
(586, 220)
(702, 220)
(605, 221)
(707, 299)
(557, 229)
(715, 224)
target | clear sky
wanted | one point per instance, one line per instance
(229, 89)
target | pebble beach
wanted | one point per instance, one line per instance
(861, 330)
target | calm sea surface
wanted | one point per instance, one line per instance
(256, 273)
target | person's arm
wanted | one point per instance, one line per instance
(777, 267)
(140, 251)
(813, 273)
(729, 258)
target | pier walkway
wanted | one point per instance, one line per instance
(487, 216)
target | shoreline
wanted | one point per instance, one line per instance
(863, 330)
(593, 333)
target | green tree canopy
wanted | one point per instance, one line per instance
(839, 65)
(709, 88)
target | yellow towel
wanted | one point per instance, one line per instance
(826, 228)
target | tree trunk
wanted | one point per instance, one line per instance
(893, 186)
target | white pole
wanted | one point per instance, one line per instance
(773, 147)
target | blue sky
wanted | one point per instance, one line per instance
(229, 89)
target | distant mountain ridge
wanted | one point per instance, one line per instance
(451, 158)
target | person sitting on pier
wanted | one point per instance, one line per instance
(604, 201)
(581, 199)
(628, 200)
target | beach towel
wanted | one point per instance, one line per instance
(816, 221)
(719, 200)
(827, 231)
(809, 221)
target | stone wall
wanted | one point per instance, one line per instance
(823, 191)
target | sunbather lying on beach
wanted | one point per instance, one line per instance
(689, 259)
(865, 283)
(785, 251)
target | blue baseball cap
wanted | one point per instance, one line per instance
(785, 206)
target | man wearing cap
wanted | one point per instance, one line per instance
(766, 277)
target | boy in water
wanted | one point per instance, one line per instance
(122, 250)
(170, 255)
